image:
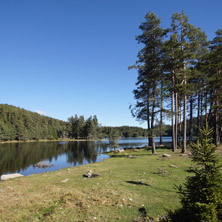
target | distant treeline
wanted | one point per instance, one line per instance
(79, 128)
(22, 125)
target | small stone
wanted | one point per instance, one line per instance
(88, 174)
(43, 165)
(120, 151)
(132, 157)
(166, 155)
(64, 181)
(174, 166)
(130, 199)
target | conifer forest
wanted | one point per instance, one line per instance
(179, 78)
(22, 125)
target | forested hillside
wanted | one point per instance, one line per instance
(20, 124)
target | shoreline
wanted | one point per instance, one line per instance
(45, 140)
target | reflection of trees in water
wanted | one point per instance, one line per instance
(17, 157)
(82, 151)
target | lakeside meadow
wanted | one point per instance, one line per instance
(123, 187)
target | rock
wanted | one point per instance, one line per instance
(120, 151)
(132, 157)
(174, 166)
(89, 174)
(64, 181)
(11, 176)
(166, 155)
(43, 165)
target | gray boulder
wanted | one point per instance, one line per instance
(11, 176)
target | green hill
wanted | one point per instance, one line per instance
(20, 124)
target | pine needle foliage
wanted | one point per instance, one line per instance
(201, 197)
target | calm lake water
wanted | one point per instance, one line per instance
(22, 157)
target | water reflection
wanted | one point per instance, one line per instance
(22, 157)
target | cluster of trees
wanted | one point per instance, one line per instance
(20, 124)
(180, 77)
(79, 128)
(124, 131)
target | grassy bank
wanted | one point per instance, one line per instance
(124, 185)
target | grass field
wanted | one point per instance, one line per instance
(124, 185)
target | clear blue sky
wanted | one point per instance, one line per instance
(67, 57)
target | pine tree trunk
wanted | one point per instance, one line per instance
(209, 119)
(172, 118)
(152, 121)
(176, 119)
(198, 114)
(180, 128)
(191, 120)
(201, 109)
(185, 125)
(161, 114)
(217, 133)
(205, 107)
(148, 121)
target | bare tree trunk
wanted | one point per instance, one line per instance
(176, 120)
(180, 128)
(152, 121)
(201, 108)
(198, 113)
(185, 125)
(205, 107)
(209, 119)
(172, 110)
(161, 114)
(217, 133)
(191, 120)
(148, 121)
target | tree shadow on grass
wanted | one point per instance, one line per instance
(138, 183)
(148, 185)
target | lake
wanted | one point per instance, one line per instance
(22, 157)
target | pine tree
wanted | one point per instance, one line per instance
(215, 84)
(149, 70)
(201, 198)
(188, 42)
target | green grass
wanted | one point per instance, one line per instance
(124, 185)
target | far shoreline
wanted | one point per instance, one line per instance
(45, 140)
